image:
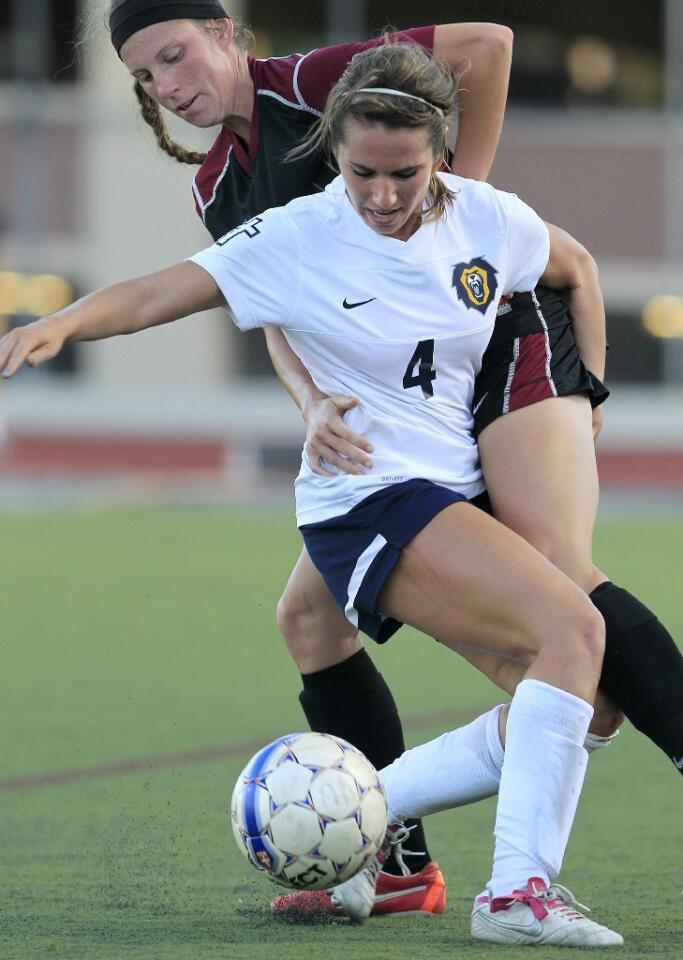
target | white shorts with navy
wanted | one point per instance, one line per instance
(357, 551)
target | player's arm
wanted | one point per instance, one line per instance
(572, 268)
(120, 309)
(327, 436)
(481, 53)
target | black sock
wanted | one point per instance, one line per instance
(642, 672)
(352, 700)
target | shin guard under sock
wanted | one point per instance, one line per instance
(540, 783)
(642, 670)
(352, 700)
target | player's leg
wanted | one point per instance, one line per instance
(316, 632)
(459, 767)
(463, 577)
(472, 582)
(549, 498)
(539, 463)
(542, 479)
(507, 673)
(343, 692)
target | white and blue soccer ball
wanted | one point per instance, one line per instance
(309, 810)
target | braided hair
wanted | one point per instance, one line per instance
(152, 113)
(153, 117)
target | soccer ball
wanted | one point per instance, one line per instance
(309, 810)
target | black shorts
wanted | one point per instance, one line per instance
(356, 552)
(532, 356)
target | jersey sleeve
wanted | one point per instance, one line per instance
(256, 267)
(319, 70)
(528, 244)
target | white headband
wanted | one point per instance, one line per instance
(399, 93)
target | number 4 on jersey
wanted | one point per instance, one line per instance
(423, 360)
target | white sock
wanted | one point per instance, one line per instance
(459, 767)
(543, 770)
(595, 742)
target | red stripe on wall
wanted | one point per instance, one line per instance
(620, 467)
(87, 454)
(637, 468)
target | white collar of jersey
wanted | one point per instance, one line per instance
(389, 246)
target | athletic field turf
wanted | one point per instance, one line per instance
(141, 668)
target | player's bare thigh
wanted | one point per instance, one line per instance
(318, 635)
(468, 580)
(541, 475)
(316, 632)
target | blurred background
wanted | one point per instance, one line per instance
(593, 140)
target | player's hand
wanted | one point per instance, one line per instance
(330, 442)
(33, 344)
(598, 421)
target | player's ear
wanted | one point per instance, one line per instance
(223, 30)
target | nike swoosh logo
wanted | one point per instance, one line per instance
(534, 929)
(474, 412)
(394, 895)
(350, 306)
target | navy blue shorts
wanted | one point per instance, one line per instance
(356, 552)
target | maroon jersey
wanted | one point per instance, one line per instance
(238, 181)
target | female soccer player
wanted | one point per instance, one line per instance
(188, 58)
(387, 286)
(532, 369)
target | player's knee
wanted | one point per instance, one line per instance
(579, 633)
(590, 636)
(314, 635)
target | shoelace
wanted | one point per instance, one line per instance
(540, 900)
(556, 892)
(555, 896)
(397, 834)
(530, 897)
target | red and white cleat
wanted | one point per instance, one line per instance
(539, 914)
(370, 893)
(423, 892)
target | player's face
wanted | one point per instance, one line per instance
(187, 69)
(386, 172)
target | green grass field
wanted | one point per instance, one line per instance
(144, 634)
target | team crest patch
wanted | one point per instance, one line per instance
(475, 283)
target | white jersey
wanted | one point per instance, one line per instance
(400, 324)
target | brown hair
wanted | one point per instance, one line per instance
(152, 113)
(430, 93)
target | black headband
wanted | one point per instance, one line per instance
(132, 15)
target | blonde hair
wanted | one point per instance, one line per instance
(152, 113)
(399, 67)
